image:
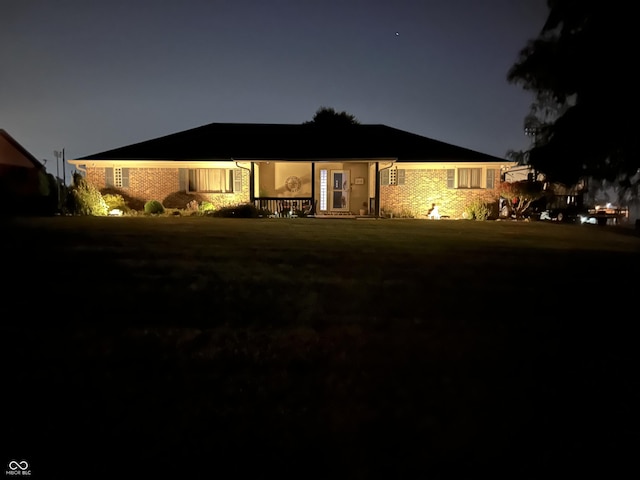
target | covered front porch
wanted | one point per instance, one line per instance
(291, 188)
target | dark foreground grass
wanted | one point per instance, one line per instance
(301, 348)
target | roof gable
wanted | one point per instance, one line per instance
(252, 141)
(12, 153)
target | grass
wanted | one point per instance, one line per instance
(195, 347)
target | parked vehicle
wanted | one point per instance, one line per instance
(568, 214)
(563, 208)
(605, 215)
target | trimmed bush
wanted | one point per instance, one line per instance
(153, 207)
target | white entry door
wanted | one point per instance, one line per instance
(340, 187)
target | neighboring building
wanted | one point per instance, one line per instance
(338, 170)
(23, 179)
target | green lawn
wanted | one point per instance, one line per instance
(303, 348)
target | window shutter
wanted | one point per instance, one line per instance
(237, 180)
(400, 177)
(125, 178)
(384, 177)
(108, 177)
(183, 179)
(451, 176)
(491, 175)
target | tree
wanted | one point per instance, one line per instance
(537, 124)
(581, 69)
(520, 195)
(327, 116)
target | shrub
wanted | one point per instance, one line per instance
(206, 207)
(153, 207)
(114, 200)
(50, 190)
(478, 210)
(180, 199)
(84, 199)
(245, 210)
(132, 203)
(405, 213)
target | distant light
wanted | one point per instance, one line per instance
(397, 34)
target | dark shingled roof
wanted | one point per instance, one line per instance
(251, 141)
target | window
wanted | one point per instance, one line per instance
(469, 177)
(117, 177)
(491, 175)
(392, 176)
(215, 180)
(323, 189)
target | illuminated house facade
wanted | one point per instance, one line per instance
(356, 169)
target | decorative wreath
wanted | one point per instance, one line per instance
(293, 183)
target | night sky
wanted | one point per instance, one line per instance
(89, 76)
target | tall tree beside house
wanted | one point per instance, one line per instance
(582, 64)
(327, 116)
(538, 124)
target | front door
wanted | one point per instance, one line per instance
(340, 187)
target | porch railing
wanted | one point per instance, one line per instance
(285, 207)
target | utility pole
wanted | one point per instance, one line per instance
(64, 169)
(59, 154)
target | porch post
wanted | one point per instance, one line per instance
(313, 186)
(377, 190)
(252, 187)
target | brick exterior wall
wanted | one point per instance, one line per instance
(425, 187)
(96, 177)
(163, 184)
(422, 188)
